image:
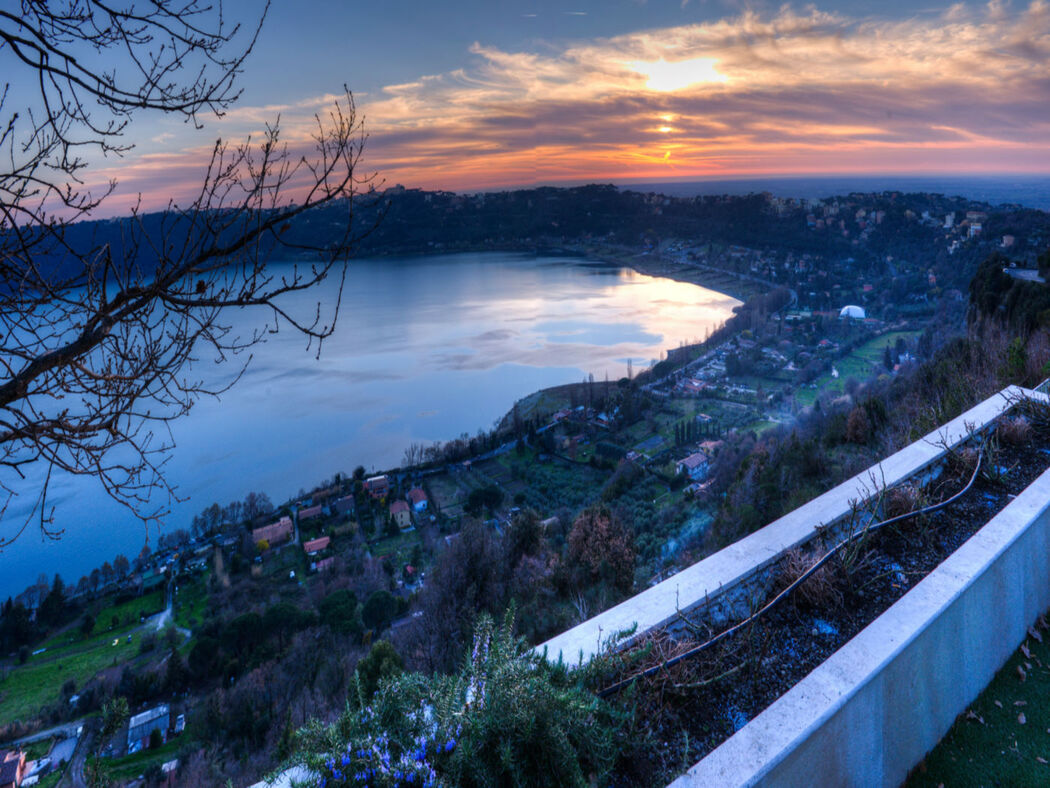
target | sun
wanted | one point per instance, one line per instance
(665, 77)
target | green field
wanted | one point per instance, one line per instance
(191, 600)
(71, 655)
(1004, 737)
(39, 682)
(861, 363)
(129, 767)
(397, 547)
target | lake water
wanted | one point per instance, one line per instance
(426, 349)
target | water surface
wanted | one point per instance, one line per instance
(425, 349)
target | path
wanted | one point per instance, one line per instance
(163, 618)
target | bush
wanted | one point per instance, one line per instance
(382, 662)
(506, 718)
(156, 738)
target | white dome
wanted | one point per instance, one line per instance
(853, 311)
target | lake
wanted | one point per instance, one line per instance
(426, 348)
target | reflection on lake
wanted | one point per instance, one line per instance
(425, 349)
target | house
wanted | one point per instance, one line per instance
(345, 506)
(694, 466)
(402, 515)
(310, 512)
(418, 499)
(314, 546)
(378, 486)
(141, 726)
(12, 768)
(275, 533)
(323, 564)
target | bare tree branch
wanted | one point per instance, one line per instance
(98, 339)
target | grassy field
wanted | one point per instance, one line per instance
(131, 766)
(72, 655)
(398, 547)
(191, 599)
(39, 749)
(861, 363)
(29, 687)
(1004, 737)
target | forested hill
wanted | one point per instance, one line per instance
(865, 228)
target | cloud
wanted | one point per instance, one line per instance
(965, 89)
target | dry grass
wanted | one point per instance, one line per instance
(1014, 432)
(901, 500)
(821, 591)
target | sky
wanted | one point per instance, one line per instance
(473, 95)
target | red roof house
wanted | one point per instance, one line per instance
(274, 533)
(402, 515)
(418, 499)
(316, 545)
(12, 768)
(310, 512)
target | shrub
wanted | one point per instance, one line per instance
(820, 591)
(900, 500)
(506, 718)
(382, 662)
(1014, 432)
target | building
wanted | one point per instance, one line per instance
(315, 546)
(141, 726)
(323, 565)
(345, 506)
(694, 466)
(418, 499)
(275, 533)
(402, 515)
(310, 512)
(853, 312)
(378, 486)
(12, 768)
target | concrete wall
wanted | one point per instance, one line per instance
(870, 712)
(724, 583)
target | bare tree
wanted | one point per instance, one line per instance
(99, 332)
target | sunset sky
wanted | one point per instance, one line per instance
(482, 94)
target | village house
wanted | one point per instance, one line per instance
(694, 466)
(378, 486)
(142, 725)
(693, 386)
(323, 564)
(314, 546)
(345, 506)
(310, 512)
(418, 499)
(402, 515)
(275, 533)
(12, 768)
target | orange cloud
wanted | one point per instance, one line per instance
(793, 92)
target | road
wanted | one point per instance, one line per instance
(64, 731)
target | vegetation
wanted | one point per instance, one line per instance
(504, 718)
(1002, 738)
